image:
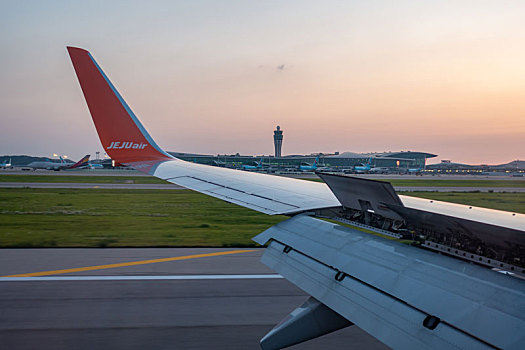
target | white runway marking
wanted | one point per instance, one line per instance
(132, 278)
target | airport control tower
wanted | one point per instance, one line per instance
(278, 141)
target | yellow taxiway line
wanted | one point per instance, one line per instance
(131, 263)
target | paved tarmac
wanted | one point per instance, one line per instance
(90, 185)
(80, 172)
(176, 187)
(149, 313)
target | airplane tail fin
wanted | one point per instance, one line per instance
(122, 135)
(83, 161)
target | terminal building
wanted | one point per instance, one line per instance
(399, 161)
(392, 160)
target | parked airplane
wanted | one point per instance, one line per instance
(6, 164)
(62, 165)
(415, 171)
(405, 296)
(379, 170)
(364, 168)
(92, 166)
(252, 167)
(312, 167)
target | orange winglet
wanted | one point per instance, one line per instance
(122, 135)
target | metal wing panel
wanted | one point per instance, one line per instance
(250, 199)
(473, 299)
(501, 218)
(265, 193)
(391, 321)
(196, 184)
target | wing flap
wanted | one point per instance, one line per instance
(392, 322)
(398, 286)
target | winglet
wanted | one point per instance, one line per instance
(122, 135)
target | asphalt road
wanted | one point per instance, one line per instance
(148, 313)
(176, 187)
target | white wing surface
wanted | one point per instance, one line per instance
(261, 192)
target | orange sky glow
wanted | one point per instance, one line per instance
(442, 77)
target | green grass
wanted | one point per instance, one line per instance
(124, 218)
(450, 183)
(155, 218)
(457, 183)
(82, 179)
(514, 202)
(152, 180)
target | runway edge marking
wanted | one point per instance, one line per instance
(131, 263)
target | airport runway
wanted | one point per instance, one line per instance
(176, 187)
(90, 185)
(82, 172)
(150, 310)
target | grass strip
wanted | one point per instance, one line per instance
(153, 180)
(155, 218)
(125, 218)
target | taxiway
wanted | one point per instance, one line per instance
(150, 310)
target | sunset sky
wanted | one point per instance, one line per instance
(445, 77)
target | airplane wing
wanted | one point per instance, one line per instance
(405, 296)
(408, 298)
(261, 192)
(127, 142)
